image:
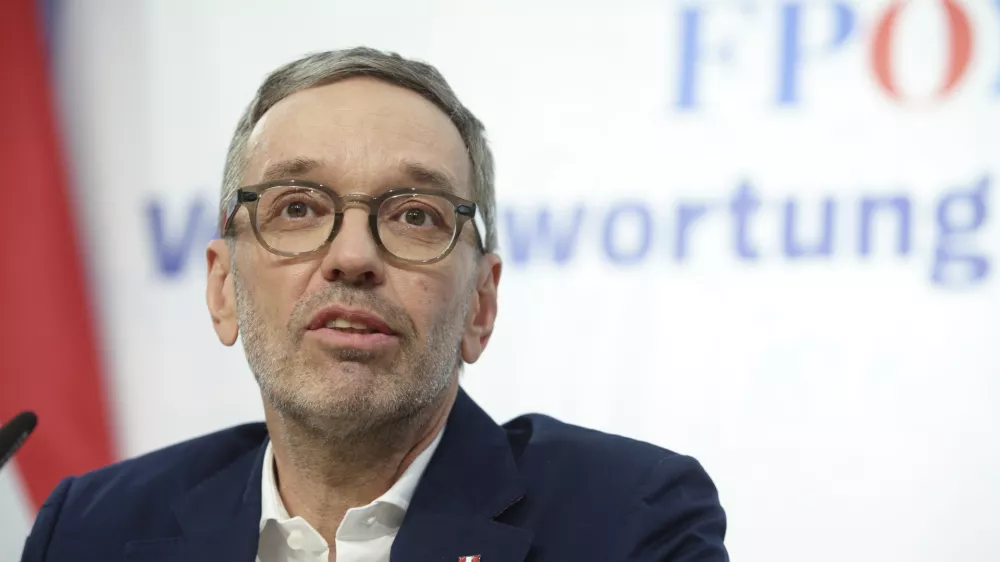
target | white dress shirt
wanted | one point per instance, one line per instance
(365, 534)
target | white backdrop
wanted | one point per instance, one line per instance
(665, 171)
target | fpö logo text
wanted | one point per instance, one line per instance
(782, 44)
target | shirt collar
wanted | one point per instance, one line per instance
(400, 494)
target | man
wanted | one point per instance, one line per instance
(357, 262)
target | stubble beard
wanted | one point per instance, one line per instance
(393, 396)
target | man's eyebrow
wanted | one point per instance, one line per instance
(290, 169)
(419, 174)
(423, 176)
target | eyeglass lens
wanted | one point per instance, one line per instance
(298, 219)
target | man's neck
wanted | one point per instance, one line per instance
(320, 477)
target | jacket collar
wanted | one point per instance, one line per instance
(470, 480)
(218, 518)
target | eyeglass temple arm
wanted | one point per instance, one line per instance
(477, 221)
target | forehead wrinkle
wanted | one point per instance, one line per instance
(359, 132)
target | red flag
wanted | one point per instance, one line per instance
(48, 353)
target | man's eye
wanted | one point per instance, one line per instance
(296, 210)
(418, 217)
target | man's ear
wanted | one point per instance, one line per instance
(221, 292)
(483, 310)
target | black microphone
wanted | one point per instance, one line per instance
(13, 434)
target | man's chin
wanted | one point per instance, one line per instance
(354, 355)
(338, 409)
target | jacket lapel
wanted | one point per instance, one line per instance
(469, 482)
(219, 519)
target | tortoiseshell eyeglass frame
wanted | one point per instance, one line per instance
(249, 196)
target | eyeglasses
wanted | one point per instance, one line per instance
(294, 218)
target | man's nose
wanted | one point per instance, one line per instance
(353, 256)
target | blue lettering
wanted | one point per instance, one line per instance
(687, 214)
(845, 24)
(644, 222)
(172, 252)
(790, 52)
(690, 26)
(630, 230)
(950, 224)
(794, 248)
(869, 206)
(745, 202)
(561, 240)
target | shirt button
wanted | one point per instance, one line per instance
(295, 540)
(371, 521)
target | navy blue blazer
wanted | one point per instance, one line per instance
(535, 489)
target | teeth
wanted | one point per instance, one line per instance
(340, 323)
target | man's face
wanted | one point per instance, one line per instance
(360, 136)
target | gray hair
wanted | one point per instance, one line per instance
(319, 69)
